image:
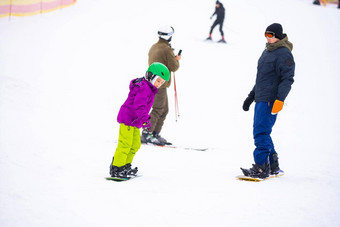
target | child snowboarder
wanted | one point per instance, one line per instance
(134, 114)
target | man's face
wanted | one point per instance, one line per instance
(272, 40)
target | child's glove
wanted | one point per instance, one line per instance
(147, 125)
(277, 107)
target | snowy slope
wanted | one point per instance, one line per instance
(64, 75)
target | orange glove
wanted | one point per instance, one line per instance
(277, 107)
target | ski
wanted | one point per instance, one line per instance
(175, 147)
(178, 147)
(246, 178)
(211, 41)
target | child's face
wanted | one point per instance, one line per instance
(159, 82)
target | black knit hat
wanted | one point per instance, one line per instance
(277, 29)
(218, 2)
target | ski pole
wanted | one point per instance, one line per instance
(176, 100)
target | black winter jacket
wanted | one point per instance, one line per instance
(220, 12)
(275, 72)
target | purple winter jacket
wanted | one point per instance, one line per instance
(136, 108)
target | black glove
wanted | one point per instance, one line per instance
(247, 103)
(249, 100)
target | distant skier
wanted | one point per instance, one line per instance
(275, 76)
(134, 114)
(220, 13)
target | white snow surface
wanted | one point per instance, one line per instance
(65, 74)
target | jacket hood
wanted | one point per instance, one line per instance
(138, 81)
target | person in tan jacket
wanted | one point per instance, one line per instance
(163, 53)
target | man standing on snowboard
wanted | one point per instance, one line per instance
(275, 76)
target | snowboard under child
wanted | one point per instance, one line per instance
(133, 115)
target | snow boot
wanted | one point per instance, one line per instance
(316, 2)
(161, 139)
(257, 171)
(120, 172)
(143, 137)
(274, 166)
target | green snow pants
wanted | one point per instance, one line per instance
(128, 144)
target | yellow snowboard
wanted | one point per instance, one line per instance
(245, 178)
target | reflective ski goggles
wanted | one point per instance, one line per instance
(269, 35)
(167, 34)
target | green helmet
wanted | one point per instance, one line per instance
(158, 69)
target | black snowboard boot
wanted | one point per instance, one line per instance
(316, 2)
(130, 171)
(257, 171)
(274, 167)
(120, 172)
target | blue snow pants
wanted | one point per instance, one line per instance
(262, 128)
